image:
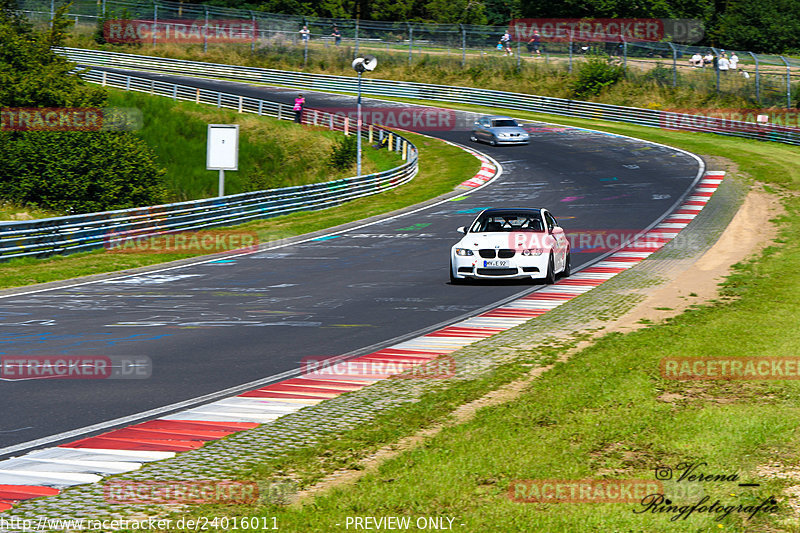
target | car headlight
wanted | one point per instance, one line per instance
(533, 251)
(464, 251)
(502, 135)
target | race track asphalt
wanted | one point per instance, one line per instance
(216, 325)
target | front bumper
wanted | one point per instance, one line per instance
(519, 267)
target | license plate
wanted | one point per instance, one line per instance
(496, 263)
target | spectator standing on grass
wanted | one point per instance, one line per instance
(299, 102)
(337, 35)
(505, 42)
(305, 33)
(534, 45)
(723, 64)
(734, 60)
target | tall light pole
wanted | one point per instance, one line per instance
(361, 65)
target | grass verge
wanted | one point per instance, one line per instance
(272, 153)
(442, 167)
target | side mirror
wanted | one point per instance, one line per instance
(462, 229)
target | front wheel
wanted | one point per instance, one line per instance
(551, 274)
(493, 141)
(454, 280)
(567, 266)
(473, 138)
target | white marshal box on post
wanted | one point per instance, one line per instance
(222, 152)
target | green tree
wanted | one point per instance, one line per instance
(31, 75)
(766, 26)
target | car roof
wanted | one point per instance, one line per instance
(511, 211)
(494, 117)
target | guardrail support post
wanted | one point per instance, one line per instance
(347, 125)
(219, 100)
(405, 150)
(788, 83)
(260, 107)
(197, 96)
(127, 83)
(758, 80)
(152, 86)
(174, 92)
(315, 117)
(241, 103)
(103, 83)
(370, 134)
(280, 108)
(330, 121)
(391, 139)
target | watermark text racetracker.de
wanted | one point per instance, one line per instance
(184, 242)
(411, 118)
(195, 492)
(28, 367)
(604, 240)
(730, 368)
(408, 367)
(616, 30)
(86, 119)
(180, 31)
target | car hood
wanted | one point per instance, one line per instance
(527, 239)
(508, 129)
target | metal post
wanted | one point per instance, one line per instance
(104, 8)
(716, 54)
(205, 33)
(674, 64)
(219, 100)
(788, 83)
(356, 37)
(305, 51)
(221, 183)
(253, 42)
(758, 84)
(570, 52)
(260, 107)
(463, 46)
(410, 41)
(358, 129)
(155, 23)
(625, 55)
(519, 58)
(52, 12)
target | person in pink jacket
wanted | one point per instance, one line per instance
(299, 102)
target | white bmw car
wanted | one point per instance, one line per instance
(511, 244)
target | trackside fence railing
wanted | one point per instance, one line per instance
(76, 233)
(442, 93)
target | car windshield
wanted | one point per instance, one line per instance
(512, 222)
(504, 123)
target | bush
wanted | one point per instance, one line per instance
(660, 75)
(79, 172)
(595, 75)
(343, 155)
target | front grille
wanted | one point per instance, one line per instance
(497, 271)
(487, 254)
(505, 253)
(467, 270)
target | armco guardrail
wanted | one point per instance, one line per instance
(441, 93)
(84, 232)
